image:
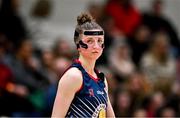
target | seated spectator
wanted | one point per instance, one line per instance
(26, 73)
(140, 113)
(11, 93)
(125, 15)
(62, 48)
(157, 22)
(156, 101)
(122, 103)
(38, 24)
(166, 112)
(139, 88)
(120, 60)
(48, 66)
(158, 62)
(139, 43)
(11, 24)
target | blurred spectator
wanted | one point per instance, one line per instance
(11, 25)
(48, 66)
(173, 100)
(63, 53)
(11, 93)
(5, 76)
(139, 43)
(119, 20)
(54, 64)
(158, 63)
(38, 24)
(125, 15)
(61, 65)
(156, 101)
(24, 66)
(139, 113)
(176, 88)
(139, 88)
(26, 73)
(120, 60)
(5, 73)
(164, 85)
(122, 103)
(166, 112)
(156, 21)
(62, 48)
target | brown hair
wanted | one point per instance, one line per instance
(85, 22)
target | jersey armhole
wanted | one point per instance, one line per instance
(105, 85)
(80, 88)
(82, 82)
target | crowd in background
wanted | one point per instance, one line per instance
(141, 60)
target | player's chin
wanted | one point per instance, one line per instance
(96, 56)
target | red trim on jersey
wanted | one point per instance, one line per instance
(80, 87)
(77, 61)
(95, 79)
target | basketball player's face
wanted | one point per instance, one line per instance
(95, 46)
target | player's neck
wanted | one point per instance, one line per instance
(88, 64)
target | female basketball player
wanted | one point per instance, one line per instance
(82, 90)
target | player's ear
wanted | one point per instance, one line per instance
(79, 50)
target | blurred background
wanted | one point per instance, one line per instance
(141, 60)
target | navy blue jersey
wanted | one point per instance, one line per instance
(91, 99)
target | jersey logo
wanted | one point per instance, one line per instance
(102, 114)
(91, 92)
(100, 92)
(100, 111)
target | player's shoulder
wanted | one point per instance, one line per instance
(73, 75)
(73, 72)
(71, 80)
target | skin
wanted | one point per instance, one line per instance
(72, 80)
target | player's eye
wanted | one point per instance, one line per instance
(89, 41)
(100, 40)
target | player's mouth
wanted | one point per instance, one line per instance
(95, 52)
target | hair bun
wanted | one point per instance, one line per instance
(83, 18)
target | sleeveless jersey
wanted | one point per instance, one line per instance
(91, 99)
